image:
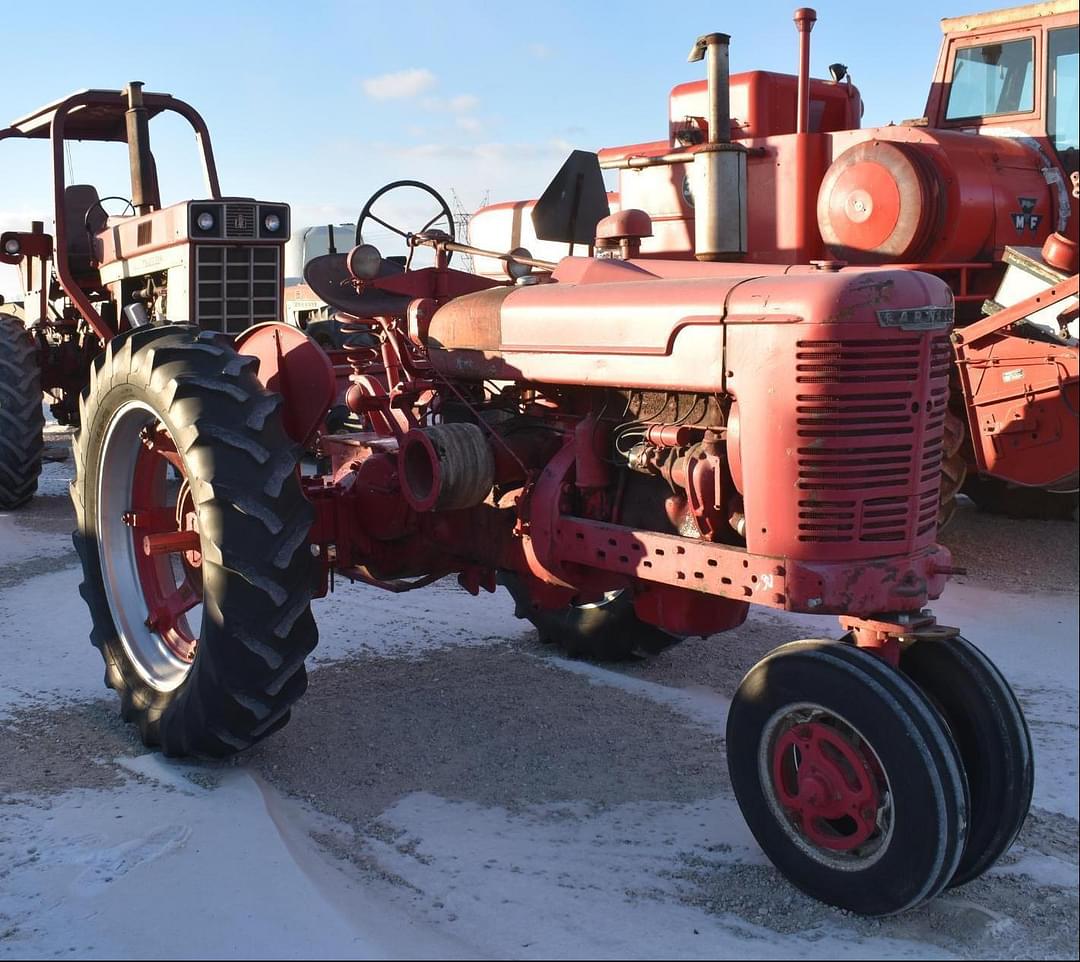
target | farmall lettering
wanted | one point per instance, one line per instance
(917, 319)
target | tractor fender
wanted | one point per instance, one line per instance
(293, 365)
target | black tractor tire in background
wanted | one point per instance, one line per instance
(253, 519)
(21, 417)
(995, 496)
(608, 630)
(988, 725)
(954, 466)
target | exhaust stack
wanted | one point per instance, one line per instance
(145, 193)
(805, 18)
(719, 170)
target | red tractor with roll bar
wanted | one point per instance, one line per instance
(216, 262)
(628, 443)
(980, 191)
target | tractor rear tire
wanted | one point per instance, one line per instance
(995, 496)
(607, 630)
(21, 418)
(168, 409)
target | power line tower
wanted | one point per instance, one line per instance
(461, 223)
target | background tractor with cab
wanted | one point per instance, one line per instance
(216, 263)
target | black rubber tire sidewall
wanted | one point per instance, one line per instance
(610, 631)
(991, 733)
(22, 421)
(916, 752)
(257, 625)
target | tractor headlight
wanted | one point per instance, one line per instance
(364, 262)
(12, 246)
(273, 221)
(205, 221)
(514, 270)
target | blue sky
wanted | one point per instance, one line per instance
(318, 103)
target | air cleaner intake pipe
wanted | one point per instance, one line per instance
(145, 194)
(718, 175)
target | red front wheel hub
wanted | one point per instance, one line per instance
(824, 782)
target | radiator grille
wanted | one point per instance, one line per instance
(236, 287)
(869, 430)
(240, 221)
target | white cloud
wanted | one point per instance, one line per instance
(399, 85)
(469, 124)
(463, 103)
(541, 51)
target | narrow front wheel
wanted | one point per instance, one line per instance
(847, 777)
(988, 724)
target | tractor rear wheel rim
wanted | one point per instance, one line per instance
(607, 599)
(826, 786)
(149, 546)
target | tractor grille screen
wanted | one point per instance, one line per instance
(869, 455)
(236, 287)
(240, 221)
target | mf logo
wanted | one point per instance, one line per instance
(1025, 218)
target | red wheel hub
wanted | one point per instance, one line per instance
(826, 784)
(166, 527)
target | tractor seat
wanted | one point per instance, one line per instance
(328, 276)
(80, 200)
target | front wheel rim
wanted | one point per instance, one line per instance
(826, 787)
(149, 546)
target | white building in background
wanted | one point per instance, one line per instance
(301, 303)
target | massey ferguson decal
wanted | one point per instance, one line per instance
(1025, 218)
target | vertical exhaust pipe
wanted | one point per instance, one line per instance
(718, 80)
(805, 18)
(810, 162)
(719, 170)
(145, 194)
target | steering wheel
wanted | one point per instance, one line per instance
(100, 204)
(443, 213)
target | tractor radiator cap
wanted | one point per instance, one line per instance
(880, 200)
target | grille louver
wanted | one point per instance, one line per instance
(869, 454)
(240, 221)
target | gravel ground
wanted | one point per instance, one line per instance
(531, 805)
(1014, 555)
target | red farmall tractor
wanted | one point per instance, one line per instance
(980, 191)
(216, 262)
(637, 448)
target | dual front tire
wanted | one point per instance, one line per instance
(872, 788)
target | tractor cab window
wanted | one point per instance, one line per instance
(993, 78)
(1063, 102)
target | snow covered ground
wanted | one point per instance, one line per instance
(450, 788)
